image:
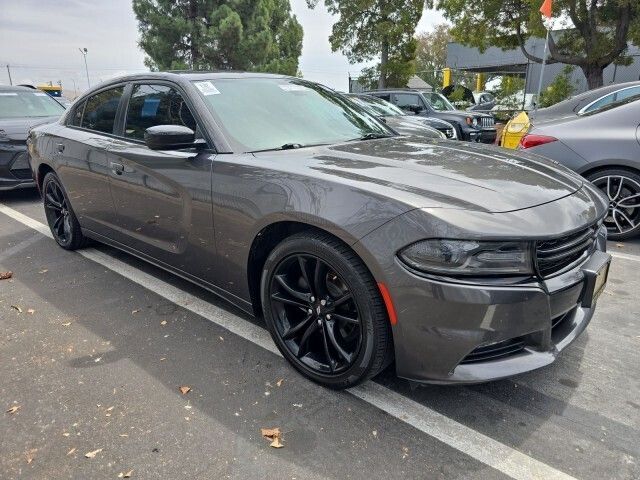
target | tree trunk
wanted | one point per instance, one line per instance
(193, 12)
(593, 74)
(384, 58)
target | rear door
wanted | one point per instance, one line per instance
(82, 157)
(162, 198)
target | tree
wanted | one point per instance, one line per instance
(367, 29)
(593, 34)
(558, 90)
(252, 35)
(431, 54)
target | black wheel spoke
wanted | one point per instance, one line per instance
(302, 263)
(319, 279)
(330, 326)
(345, 319)
(52, 202)
(294, 331)
(340, 301)
(304, 341)
(325, 344)
(303, 297)
(289, 301)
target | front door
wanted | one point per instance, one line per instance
(162, 198)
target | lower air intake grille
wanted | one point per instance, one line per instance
(495, 351)
(20, 166)
(555, 256)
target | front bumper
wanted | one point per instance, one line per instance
(485, 135)
(477, 334)
(15, 170)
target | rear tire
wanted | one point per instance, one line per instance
(329, 320)
(622, 188)
(60, 216)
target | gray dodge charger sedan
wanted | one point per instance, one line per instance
(460, 262)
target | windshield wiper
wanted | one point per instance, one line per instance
(371, 136)
(289, 146)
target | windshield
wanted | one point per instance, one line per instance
(438, 101)
(377, 106)
(279, 113)
(28, 104)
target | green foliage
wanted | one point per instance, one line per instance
(590, 35)
(367, 29)
(510, 92)
(251, 35)
(431, 54)
(560, 89)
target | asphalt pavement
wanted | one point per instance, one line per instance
(95, 346)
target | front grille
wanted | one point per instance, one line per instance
(495, 350)
(20, 167)
(558, 255)
(487, 122)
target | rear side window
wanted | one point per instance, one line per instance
(152, 105)
(100, 110)
(384, 96)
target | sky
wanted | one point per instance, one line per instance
(40, 40)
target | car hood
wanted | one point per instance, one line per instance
(408, 125)
(437, 173)
(16, 129)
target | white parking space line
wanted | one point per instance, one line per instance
(625, 256)
(482, 448)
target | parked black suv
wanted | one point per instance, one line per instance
(470, 126)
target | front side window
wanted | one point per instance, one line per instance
(20, 104)
(377, 106)
(76, 115)
(152, 105)
(100, 110)
(279, 113)
(438, 101)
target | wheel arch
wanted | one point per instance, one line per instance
(43, 169)
(273, 234)
(594, 167)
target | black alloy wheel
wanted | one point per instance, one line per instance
(622, 189)
(60, 217)
(324, 311)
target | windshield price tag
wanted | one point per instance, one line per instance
(207, 88)
(292, 87)
(8, 94)
(40, 94)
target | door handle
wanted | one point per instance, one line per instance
(60, 147)
(116, 168)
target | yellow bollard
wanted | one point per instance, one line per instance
(446, 77)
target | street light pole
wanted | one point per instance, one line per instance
(84, 52)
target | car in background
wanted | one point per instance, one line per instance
(584, 102)
(358, 247)
(399, 120)
(603, 145)
(470, 126)
(21, 108)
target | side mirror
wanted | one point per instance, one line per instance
(169, 137)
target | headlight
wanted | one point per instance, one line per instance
(469, 257)
(472, 121)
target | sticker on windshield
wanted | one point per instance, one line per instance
(207, 88)
(40, 94)
(292, 87)
(8, 94)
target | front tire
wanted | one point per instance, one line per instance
(622, 188)
(324, 311)
(60, 217)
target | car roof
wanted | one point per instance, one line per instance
(194, 75)
(14, 88)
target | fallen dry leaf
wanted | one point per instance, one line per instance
(44, 270)
(93, 453)
(184, 390)
(31, 311)
(16, 307)
(14, 409)
(163, 322)
(123, 435)
(620, 245)
(6, 275)
(279, 382)
(125, 474)
(135, 311)
(71, 451)
(66, 324)
(274, 435)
